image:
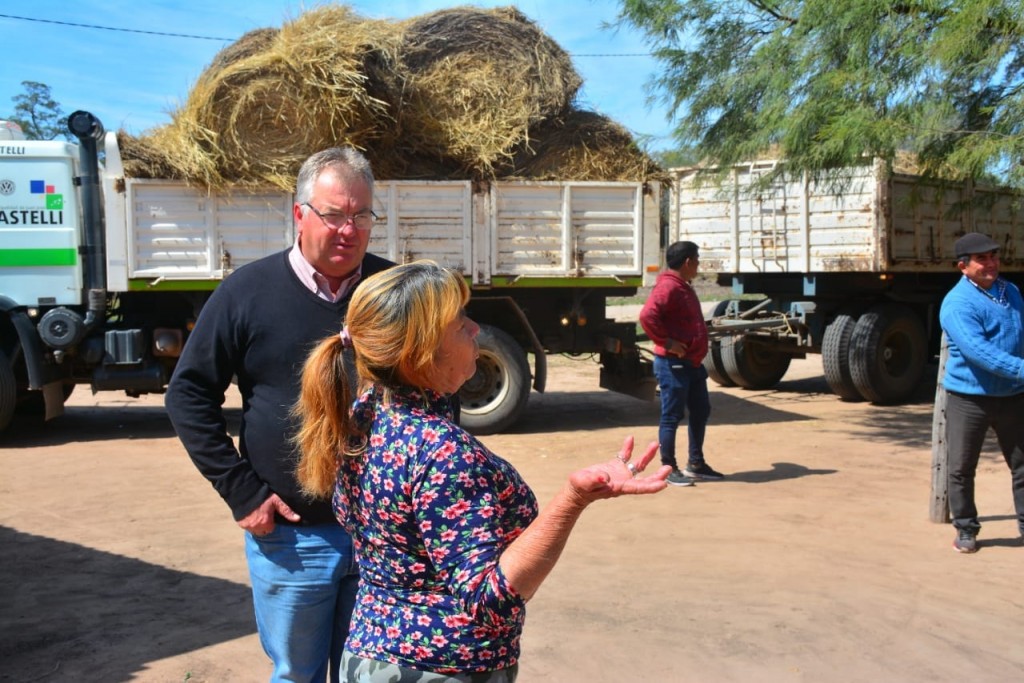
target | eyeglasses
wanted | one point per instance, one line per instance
(363, 220)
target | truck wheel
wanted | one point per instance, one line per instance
(8, 391)
(495, 397)
(713, 361)
(888, 352)
(835, 357)
(751, 365)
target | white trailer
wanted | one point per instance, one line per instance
(853, 267)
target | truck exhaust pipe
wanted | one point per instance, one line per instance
(89, 131)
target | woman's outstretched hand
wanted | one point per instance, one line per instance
(620, 476)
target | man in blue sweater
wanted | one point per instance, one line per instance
(983, 318)
(258, 327)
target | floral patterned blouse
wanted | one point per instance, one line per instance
(430, 510)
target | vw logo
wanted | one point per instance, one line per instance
(6, 187)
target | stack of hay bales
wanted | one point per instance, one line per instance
(459, 93)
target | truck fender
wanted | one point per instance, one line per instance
(31, 345)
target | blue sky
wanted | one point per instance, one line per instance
(133, 80)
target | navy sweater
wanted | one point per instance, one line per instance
(258, 326)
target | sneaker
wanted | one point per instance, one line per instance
(677, 478)
(965, 541)
(703, 471)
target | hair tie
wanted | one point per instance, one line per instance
(346, 338)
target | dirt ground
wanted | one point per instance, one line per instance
(814, 561)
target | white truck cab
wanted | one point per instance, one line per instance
(9, 130)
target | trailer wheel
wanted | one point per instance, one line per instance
(713, 361)
(835, 357)
(495, 397)
(8, 391)
(751, 365)
(888, 352)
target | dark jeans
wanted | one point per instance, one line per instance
(968, 419)
(684, 387)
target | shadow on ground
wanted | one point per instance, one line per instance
(778, 472)
(98, 423)
(51, 629)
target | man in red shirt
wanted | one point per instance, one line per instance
(673, 320)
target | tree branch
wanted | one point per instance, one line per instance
(769, 8)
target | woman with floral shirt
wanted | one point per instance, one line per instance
(448, 535)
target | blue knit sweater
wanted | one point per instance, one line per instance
(985, 339)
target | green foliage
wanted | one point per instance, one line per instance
(38, 114)
(673, 158)
(823, 84)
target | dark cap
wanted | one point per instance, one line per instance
(975, 243)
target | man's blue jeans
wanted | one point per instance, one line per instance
(304, 582)
(684, 387)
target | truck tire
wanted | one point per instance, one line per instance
(495, 397)
(751, 365)
(888, 352)
(8, 391)
(713, 361)
(835, 357)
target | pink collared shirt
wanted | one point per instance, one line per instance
(316, 282)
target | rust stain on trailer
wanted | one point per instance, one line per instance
(841, 264)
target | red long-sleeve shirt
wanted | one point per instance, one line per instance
(672, 311)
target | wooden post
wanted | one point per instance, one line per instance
(938, 512)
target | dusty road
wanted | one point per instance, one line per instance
(814, 561)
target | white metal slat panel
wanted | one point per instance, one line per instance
(937, 216)
(814, 226)
(530, 235)
(181, 233)
(931, 217)
(569, 229)
(773, 224)
(841, 223)
(607, 223)
(705, 215)
(1004, 221)
(171, 231)
(767, 240)
(250, 226)
(788, 227)
(425, 220)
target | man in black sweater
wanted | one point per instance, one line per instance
(258, 326)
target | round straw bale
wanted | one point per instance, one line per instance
(584, 145)
(142, 159)
(258, 112)
(251, 43)
(478, 79)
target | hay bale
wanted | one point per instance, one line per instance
(263, 107)
(584, 145)
(251, 43)
(459, 93)
(478, 80)
(144, 159)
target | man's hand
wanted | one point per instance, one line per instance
(676, 348)
(260, 521)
